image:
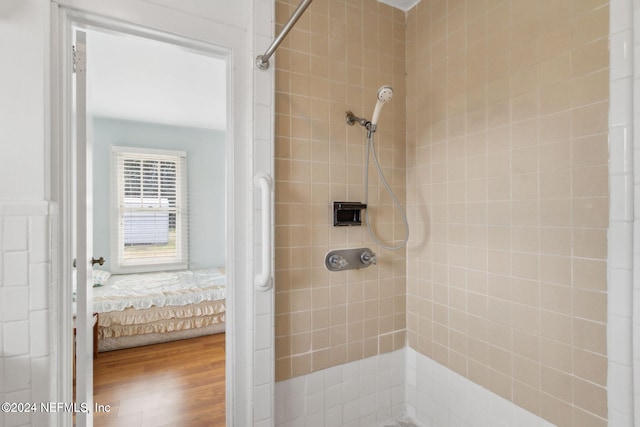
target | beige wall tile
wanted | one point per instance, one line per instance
(555, 69)
(526, 291)
(589, 151)
(526, 397)
(557, 383)
(319, 159)
(590, 335)
(557, 410)
(590, 366)
(526, 372)
(556, 241)
(500, 156)
(556, 297)
(590, 274)
(555, 127)
(555, 269)
(283, 368)
(584, 418)
(582, 7)
(557, 326)
(590, 88)
(545, 196)
(301, 365)
(589, 119)
(556, 355)
(500, 384)
(590, 305)
(526, 318)
(590, 57)
(555, 156)
(591, 397)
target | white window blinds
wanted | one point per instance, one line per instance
(151, 205)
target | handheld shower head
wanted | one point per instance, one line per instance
(385, 93)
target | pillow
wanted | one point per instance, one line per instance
(100, 277)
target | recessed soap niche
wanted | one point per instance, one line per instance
(347, 213)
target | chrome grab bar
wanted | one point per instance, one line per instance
(263, 281)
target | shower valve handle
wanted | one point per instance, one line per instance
(349, 259)
(338, 261)
(369, 258)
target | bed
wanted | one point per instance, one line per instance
(149, 308)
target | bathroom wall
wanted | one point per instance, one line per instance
(507, 191)
(334, 60)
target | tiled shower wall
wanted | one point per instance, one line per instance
(507, 105)
(334, 60)
(26, 337)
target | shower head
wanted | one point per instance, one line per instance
(385, 93)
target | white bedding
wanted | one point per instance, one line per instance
(173, 288)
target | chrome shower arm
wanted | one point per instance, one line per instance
(262, 61)
(352, 119)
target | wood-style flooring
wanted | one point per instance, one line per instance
(181, 383)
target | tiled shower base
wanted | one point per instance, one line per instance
(399, 389)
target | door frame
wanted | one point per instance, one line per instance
(66, 18)
(82, 234)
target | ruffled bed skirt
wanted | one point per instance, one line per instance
(159, 324)
(109, 344)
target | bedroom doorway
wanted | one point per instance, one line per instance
(151, 122)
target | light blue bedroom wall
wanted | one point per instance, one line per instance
(205, 150)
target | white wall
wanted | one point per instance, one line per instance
(29, 262)
(26, 294)
(23, 129)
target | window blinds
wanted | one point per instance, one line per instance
(151, 205)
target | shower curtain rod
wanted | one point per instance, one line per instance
(262, 61)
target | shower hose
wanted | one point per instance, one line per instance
(371, 149)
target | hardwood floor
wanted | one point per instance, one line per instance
(181, 383)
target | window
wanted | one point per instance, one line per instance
(151, 231)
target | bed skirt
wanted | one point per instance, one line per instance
(109, 344)
(132, 328)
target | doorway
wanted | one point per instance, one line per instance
(150, 155)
